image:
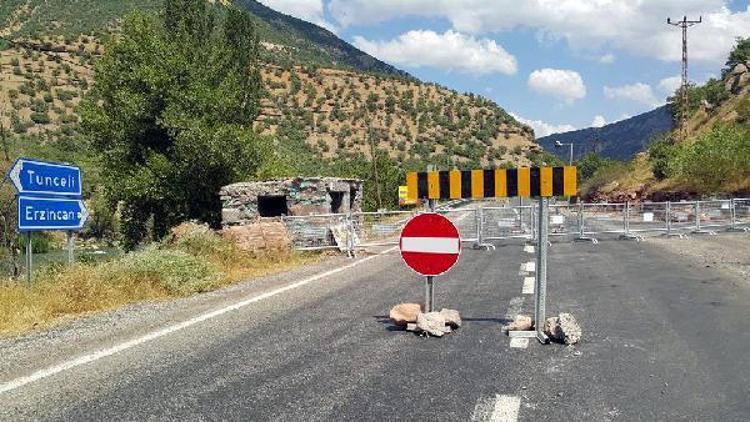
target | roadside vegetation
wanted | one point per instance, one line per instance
(197, 260)
(712, 161)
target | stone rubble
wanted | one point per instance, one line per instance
(405, 313)
(519, 323)
(563, 329)
(436, 324)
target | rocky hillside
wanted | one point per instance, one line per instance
(343, 111)
(620, 140)
(319, 88)
(712, 160)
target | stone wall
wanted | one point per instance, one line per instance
(304, 196)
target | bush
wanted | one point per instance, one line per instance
(40, 118)
(178, 272)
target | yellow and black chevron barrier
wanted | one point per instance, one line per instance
(524, 182)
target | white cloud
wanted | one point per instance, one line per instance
(308, 10)
(450, 50)
(599, 121)
(638, 27)
(607, 59)
(669, 85)
(637, 92)
(542, 128)
(565, 84)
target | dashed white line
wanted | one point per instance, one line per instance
(501, 408)
(528, 285)
(99, 354)
(528, 249)
(528, 267)
(506, 409)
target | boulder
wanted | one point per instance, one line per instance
(452, 317)
(432, 323)
(738, 69)
(405, 313)
(520, 323)
(563, 329)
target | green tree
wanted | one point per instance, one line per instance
(170, 114)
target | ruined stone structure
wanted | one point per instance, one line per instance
(246, 202)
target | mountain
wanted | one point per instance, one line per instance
(320, 90)
(620, 140)
(287, 39)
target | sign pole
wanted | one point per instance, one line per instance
(540, 291)
(29, 259)
(429, 294)
(71, 247)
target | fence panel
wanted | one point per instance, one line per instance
(564, 220)
(507, 222)
(715, 214)
(742, 212)
(603, 219)
(373, 229)
(681, 217)
(648, 218)
(466, 220)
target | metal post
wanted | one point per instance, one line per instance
(626, 220)
(581, 230)
(669, 218)
(733, 215)
(540, 291)
(697, 216)
(429, 294)
(71, 247)
(29, 258)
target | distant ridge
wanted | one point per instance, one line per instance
(620, 140)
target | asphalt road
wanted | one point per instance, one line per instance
(662, 341)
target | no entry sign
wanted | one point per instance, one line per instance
(430, 244)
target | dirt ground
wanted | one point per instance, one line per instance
(727, 252)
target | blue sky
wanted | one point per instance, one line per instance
(555, 64)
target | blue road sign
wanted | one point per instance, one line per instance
(37, 177)
(37, 213)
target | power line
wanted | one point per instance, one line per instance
(684, 24)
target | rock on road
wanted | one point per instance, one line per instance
(661, 341)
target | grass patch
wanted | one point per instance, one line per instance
(197, 261)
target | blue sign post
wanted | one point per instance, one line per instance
(49, 198)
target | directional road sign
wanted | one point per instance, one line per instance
(44, 178)
(430, 244)
(37, 213)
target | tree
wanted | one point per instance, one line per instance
(170, 115)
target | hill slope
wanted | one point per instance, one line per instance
(319, 89)
(620, 140)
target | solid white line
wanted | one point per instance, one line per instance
(439, 245)
(506, 409)
(528, 286)
(99, 354)
(519, 342)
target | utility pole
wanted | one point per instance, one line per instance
(684, 24)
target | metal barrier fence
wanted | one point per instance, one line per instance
(481, 222)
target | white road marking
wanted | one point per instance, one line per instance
(528, 267)
(506, 409)
(528, 249)
(102, 353)
(501, 408)
(528, 285)
(437, 245)
(519, 342)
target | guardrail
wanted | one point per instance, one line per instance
(484, 222)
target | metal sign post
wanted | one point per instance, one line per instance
(29, 259)
(71, 243)
(540, 291)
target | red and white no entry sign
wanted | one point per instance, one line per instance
(430, 244)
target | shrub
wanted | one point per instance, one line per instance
(40, 118)
(176, 271)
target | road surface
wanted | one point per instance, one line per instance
(663, 340)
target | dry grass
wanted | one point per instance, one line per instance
(193, 264)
